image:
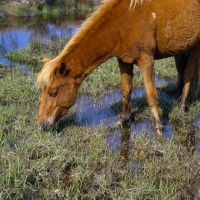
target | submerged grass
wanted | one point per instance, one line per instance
(76, 161)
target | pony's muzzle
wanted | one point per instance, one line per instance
(44, 126)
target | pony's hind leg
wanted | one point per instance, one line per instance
(146, 64)
(191, 75)
(126, 71)
(181, 63)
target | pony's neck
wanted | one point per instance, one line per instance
(89, 54)
(95, 41)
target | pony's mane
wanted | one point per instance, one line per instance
(93, 21)
(135, 2)
(47, 74)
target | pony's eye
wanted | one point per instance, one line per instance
(53, 94)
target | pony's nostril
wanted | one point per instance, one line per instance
(44, 126)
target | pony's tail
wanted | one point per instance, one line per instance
(194, 89)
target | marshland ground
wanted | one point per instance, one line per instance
(47, 8)
(83, 158)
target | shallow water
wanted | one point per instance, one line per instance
(19, 36)
(102, 112)
(92, 113)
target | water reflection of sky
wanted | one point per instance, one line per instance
(13, 40)
(94, 113)
(19, 38)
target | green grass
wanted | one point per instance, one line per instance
(24, 11)
(51, 11)
(166, 68)
(168, 171)
(2, 9)
(48, 9)
(77, 163)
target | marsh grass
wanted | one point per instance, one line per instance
(49, 9)
(25, 11)
(168, 171)
(74, 161)
(166, 68)
(37, 49)
(51, 12)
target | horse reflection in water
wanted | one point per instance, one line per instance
(134, 31)
(186, 136)
(125, 139)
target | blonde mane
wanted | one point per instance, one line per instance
(135, 2)
(47, 74)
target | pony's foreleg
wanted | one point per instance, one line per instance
(146, 64)
(126, 71)
(181, 63)
(191, 75)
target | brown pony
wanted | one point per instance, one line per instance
(135, 32)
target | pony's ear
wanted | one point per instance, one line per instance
(46, 59)
(63, 70)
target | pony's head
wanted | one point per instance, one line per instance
(58, 92)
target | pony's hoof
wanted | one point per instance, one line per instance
(159, 130)
(124, 121)
(159, 136)
(182, 109)
(159, 133)
(119, 122)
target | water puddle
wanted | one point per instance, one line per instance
(103, 112)
(18, 37)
